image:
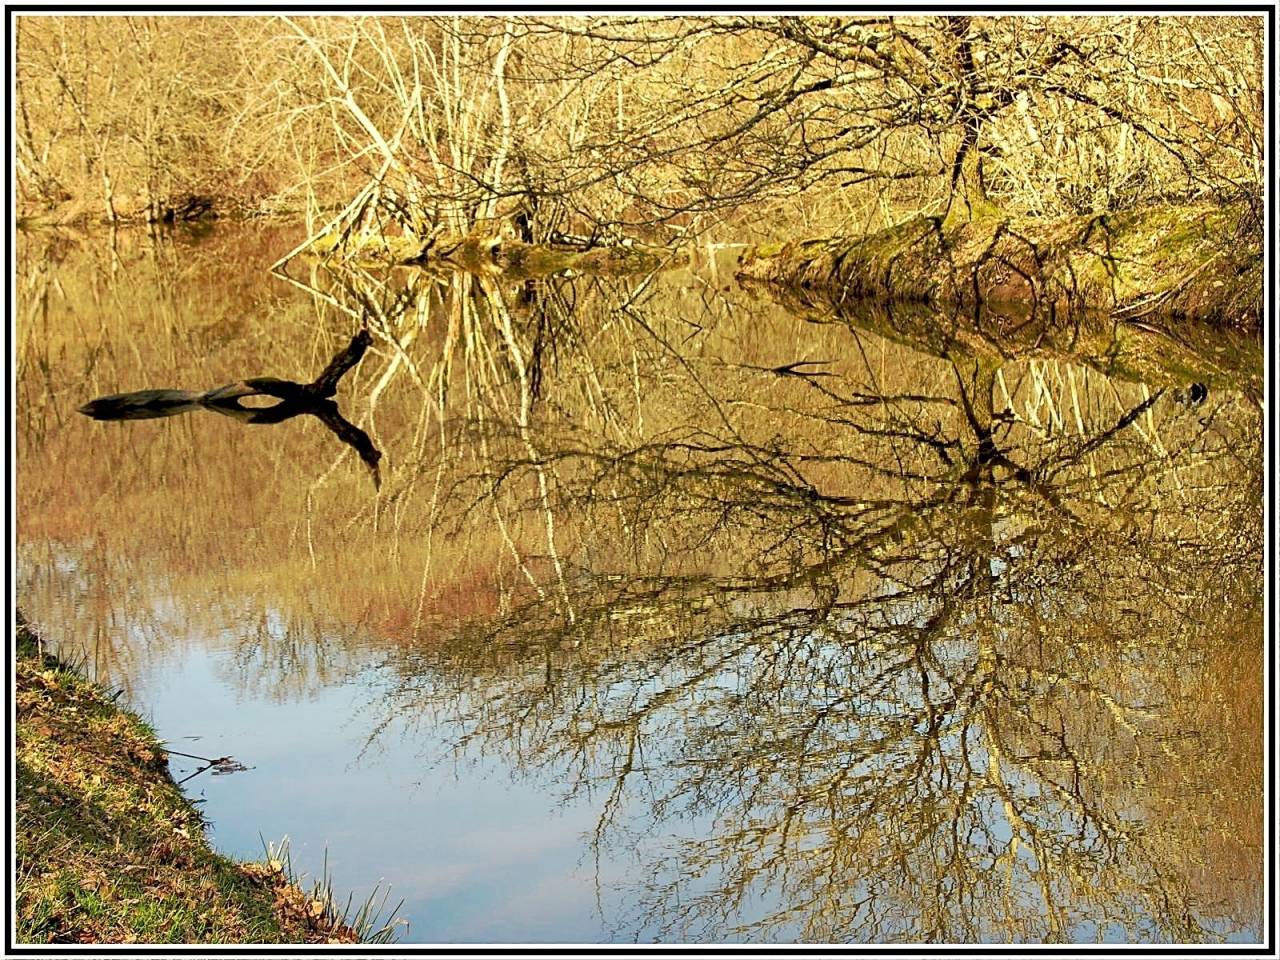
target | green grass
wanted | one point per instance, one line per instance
(110, 851)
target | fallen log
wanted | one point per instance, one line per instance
(296, 399)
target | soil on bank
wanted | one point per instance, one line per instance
(108, 848)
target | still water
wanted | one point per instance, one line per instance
(677, 613)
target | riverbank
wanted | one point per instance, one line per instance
(1200, 261)
(108, 848)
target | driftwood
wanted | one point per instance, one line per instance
(295, 398)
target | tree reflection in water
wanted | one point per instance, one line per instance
(854, 624)
(936, 664)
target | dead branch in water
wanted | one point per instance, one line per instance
(295, 399)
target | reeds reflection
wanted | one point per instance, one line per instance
(853, 631)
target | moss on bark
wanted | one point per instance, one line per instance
(1196, 261)
(489, 253)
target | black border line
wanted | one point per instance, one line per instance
(1266, 949)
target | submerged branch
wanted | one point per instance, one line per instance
(295, 399)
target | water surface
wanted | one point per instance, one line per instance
(679, 614)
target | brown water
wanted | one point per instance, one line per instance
(647, 632)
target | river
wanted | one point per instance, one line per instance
(675, 614)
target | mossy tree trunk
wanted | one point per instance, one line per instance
(1197, 261)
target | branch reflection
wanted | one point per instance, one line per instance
(853, 624)
(939, 659)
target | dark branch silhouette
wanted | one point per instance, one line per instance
(295, 399)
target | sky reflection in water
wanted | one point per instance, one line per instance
(649, 632)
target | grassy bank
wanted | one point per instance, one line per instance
(108, 848)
